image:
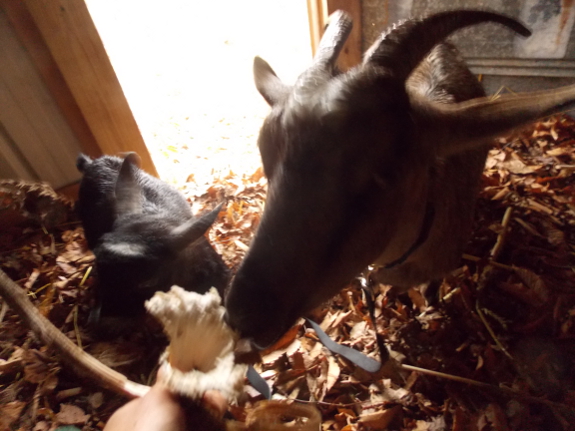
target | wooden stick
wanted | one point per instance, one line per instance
(492, 332)
(500, 389)
(492, 263)
(80, 361)
(502, 235)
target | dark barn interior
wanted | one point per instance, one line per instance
(487, 346)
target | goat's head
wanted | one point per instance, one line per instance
(133, 259)
(346, 156)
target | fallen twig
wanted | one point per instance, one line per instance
(495, 264)
(499, 389)
(492, 332)
(82, 362)
(496, 250)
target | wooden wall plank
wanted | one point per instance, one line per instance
(77, 49)
(12, 164)
(316, 16)
(30, 37)
(30, 117)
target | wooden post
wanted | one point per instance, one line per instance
(316, 14)
(76, 47)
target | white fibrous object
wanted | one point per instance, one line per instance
(200, 356)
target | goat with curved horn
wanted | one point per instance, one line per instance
(403, 47)
(377, 165)
(322, 69)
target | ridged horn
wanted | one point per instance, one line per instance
(333, 39)
(191, 230)
(475, 121)
(402, 48)
(330, 46)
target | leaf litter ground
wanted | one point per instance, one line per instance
(506, 316)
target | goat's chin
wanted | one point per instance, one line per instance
(267, 340)
(263, 335)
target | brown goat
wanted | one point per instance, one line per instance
(377, 165)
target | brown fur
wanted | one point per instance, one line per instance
(354, 160)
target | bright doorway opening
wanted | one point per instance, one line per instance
(186, 69)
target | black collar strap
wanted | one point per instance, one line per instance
(358, 358)
(258, 383)
(423, 234)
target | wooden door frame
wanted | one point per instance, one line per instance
(67, 51)
(70, 56)
(319, 11)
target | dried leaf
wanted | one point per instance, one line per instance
(436, 424)
(36, 368)
(41, 426)
(71, 415)
(332, 373)
(379, 420)
(14, 363)
(96, 400)
(536, 285)
(9, 413)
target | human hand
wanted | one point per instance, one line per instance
(160, 410)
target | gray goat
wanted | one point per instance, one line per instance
(143, 235)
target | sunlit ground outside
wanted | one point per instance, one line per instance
(186, 69)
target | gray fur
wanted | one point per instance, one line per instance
(143, 235)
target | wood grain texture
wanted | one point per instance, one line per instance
(76, 47)
(32, 124)
(12, 164)
(316, 17)
(30, 37)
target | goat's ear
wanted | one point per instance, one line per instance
(268, 83)
(82, 162)
(129, 197)
(133, 158)
(194, 229)
(461, 126)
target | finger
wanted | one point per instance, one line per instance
(159, 409)
(215, 402)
